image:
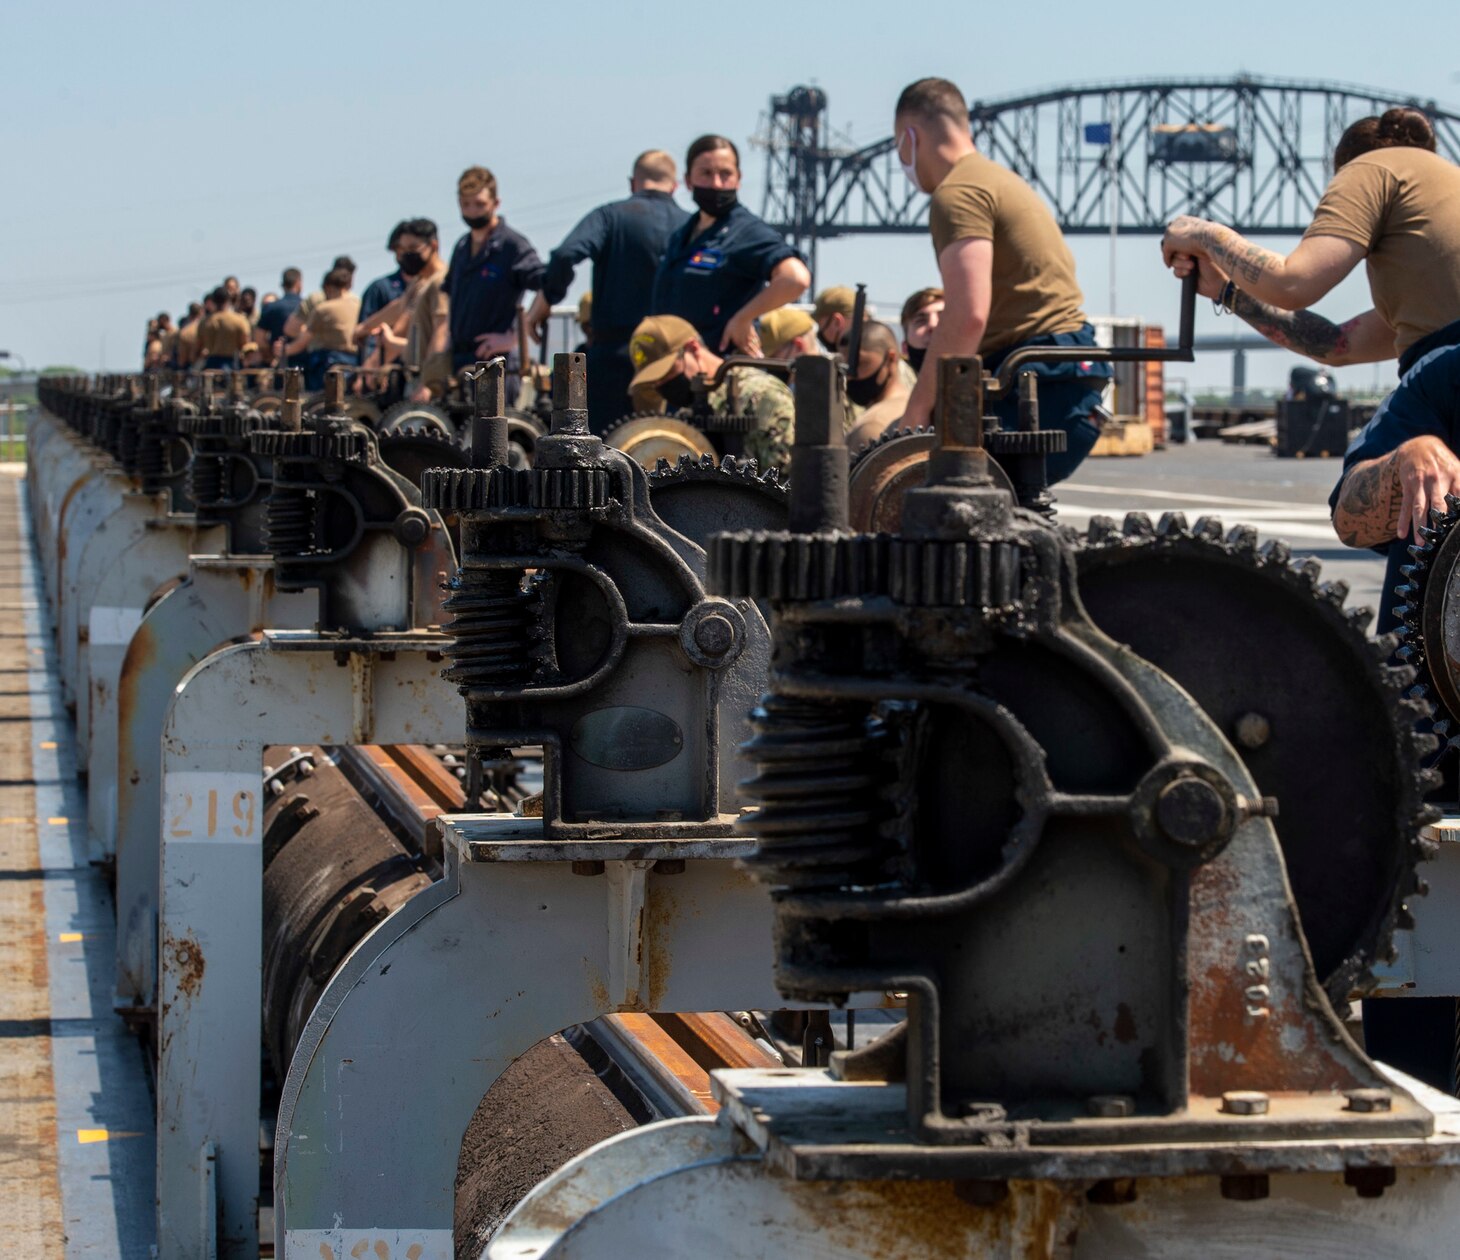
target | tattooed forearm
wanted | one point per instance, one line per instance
(1303, 331)
(1367, 512)
(1245, 262)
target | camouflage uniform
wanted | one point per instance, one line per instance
(769, 400)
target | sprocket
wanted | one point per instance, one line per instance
(410, 453)
(703, 497)
(647, 437)
(886, 469)
(1326, 724)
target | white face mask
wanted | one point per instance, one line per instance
(910, 167)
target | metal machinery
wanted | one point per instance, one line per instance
(343, 527)
(1117, 1041)
(581, 624)
(1121, 981)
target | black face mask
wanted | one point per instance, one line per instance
(865, 390)
(676, 392)
(412, 264)
(916, 355)
(475, 221)
(716, 202)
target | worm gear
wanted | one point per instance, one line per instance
(702, 497)
(1326, 724)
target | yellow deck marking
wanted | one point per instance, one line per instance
(58, 822)
(48, 743)
(87, 1136)
(70, 938)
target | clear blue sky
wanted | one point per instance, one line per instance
(150, 149)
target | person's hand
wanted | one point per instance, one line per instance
(489, 344)
(1210, 279)
(1428, 471)
(740, 332)
(537, 318)
(1185, 235)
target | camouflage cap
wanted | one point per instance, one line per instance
(655, 345)
(780, 326)
(838, 300)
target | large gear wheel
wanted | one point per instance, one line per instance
(648, 438)
(1324, 721)
(414, 417)
(884, 470)
(412, 452)
(700, 498)
(1425, 604)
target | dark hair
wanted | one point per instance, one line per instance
(338, 278)
(709, 144)
(395, 235)
(933, 98)
(248, 291)
(194, 309)
(1400, 128)
(291, 278)
(425, 229)
(343, 263)
(920, 299)
(219, 296)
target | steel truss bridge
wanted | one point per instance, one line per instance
(1249, 152)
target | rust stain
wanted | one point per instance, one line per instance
(188, 964)
(1036, 1221)
(662, 910)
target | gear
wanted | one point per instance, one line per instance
(411, 453)
(338, 444)
(649, 437)
(1421, 609)
(921, 573)
(700, 497)
(1021, 442)
(413, 417)
(456, 490)
(1324, 722)
(886, 469)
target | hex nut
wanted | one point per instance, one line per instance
(1245, 1102)
(1111, 1106)
(1368, 1100)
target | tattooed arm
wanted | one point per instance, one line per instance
(1385, 498)
(1365, 338)
(1291, 283)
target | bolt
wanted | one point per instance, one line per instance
(1368, 1100)
(714, 636)
(1191, 812)
(1245, 1102)
(1111, 1106)
(1245, 1187)
(1253, 730)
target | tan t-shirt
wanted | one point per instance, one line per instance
(430, 310)
(332, 321)
(1034, 289)
(1403, 207)
(224, 332)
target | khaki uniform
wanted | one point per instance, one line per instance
(1034, 289)
(224, 333)
(430, 311)
(769, 400)
(332, 323)
(1399, 206)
